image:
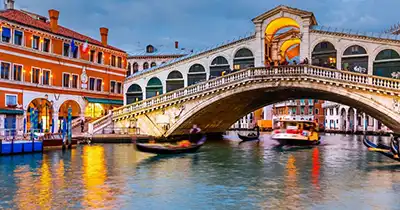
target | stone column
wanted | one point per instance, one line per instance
(265, 110)
(305, 40)
(375, 125)
(347, 120)
(339, 60)
(259, 55)
(55, 123)
(365, 123)
(355, 120)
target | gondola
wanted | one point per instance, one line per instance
(249, 138)
(163, 149)
(380, 148)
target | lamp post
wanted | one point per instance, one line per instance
(46, 97)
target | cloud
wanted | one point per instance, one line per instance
(199, 24)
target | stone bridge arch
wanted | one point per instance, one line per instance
(218, 112)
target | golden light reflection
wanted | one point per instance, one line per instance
(24, 194)
(94, 177)
(45, 194)
(315, 168)
(278, 24)
(291, 190)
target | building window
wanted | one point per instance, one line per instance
(91, 55)
(145, 65)
(99, 84)
(302, 110)
(35, 42)
(153, 64)
(17, 72)
(66, 50)
(11, 100)
(113, 60)
(119, 62)
(331, 111)
(6, 35)
(316, 111)
(5, 70)
(99, 57)
(18, 37)
(46, 45)
(66, 79)
(310, 111)
(112, 87)
(92, 81)
(35, 75)
(74, 81)
(75, 52)
(46, 77)
(119, 87)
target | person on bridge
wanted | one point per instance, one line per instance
(394, 146)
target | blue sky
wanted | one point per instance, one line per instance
(202, 23)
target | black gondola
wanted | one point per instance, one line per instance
(249, 137)
(161, 149)
(382, 149)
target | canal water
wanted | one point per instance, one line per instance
(338, 174)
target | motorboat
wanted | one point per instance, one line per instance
(293, 132)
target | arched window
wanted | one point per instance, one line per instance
(149, 49)
(387, 64)
(134, 94)
(174, 81)
(135, 67)
(324, 55)
(218, 66)
(243, 59)
(145, 65)
(153, 64)
(196, 74)
(355, 59)
(154, 87)
(129, 71)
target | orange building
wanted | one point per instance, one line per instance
(50, 68)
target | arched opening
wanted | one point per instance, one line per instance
(63, 112)
(145, 65)
(134, 94)
(351, 118)
(197, 73)
(135, 67)
(244, 58)
(154, 87)
(355, 59)
(387, 64)
(324, 55)
(279, 29)
(219, 66)
(174, 81)
(44, 110)
(290, 51)
(343, 119)
(149, 49)
(153, 64)
(129, 70)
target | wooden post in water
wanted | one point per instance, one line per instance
(69, 126)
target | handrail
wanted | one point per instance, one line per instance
(298, 70)
(95, 124)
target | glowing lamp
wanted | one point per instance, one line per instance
(102, 83)
(70, 78)
(23, 71)
(51, 76)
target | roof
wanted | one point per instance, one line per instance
(22, 18)
(162, 51)
(104, 101)
(287, 9)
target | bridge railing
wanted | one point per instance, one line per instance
(281, 71)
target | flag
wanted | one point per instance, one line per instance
(73, 45)
(85, 47)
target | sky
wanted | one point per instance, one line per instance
(199, 24)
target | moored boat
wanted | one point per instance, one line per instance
(170, 148)
(293, 132)
(249, 137)
(380, 148)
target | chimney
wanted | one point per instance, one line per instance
(176, 44)
(8, 4)
(53, 15)
(104, 35)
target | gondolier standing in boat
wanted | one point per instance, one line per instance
(195, 133)
(394, 146)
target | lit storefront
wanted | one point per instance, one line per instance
(98, 107)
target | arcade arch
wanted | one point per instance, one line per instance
(197, 73)
(154, 87)
(243, 58)
(355, 59)
(134, 94)
(218, 66)
(174, 81)
(324, 54)
(387, 64)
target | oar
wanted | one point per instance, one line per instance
(378, 150)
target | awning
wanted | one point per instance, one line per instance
(11, 111)
(104, 101)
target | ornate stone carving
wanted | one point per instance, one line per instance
(396, 105)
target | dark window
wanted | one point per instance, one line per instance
(153, 64)
(35, 75)
(316, 111)
(99, 57)
(145, 65)
(5, 71)
(66, 50)
(99, 83)
(75, 81)
(92, 82)
(18, 37)
(75, 52)
(243, 59)
(91, 57)
(324, 45)
(196, 74)
(113, 60)
(46, 45)
(119, 62)
(35, 42)
(149, 49)
(6, 35)
(66, 79)
(46, 77)
(112, 87)
(119, 87)
(17, 73)
(135, 67)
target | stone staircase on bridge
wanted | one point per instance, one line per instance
(330, 78)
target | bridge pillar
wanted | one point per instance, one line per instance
(365, 127)
(355, 121)
(375, 125)
(260, 41)
(305, 51)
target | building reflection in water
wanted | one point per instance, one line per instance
(315, 173)
(96, 192)
(291, 192)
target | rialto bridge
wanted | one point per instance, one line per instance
(215, 87)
